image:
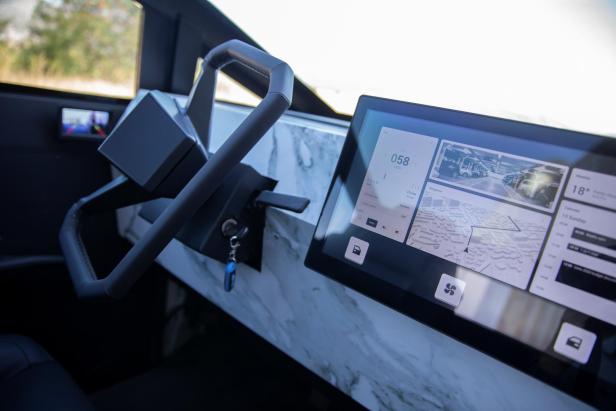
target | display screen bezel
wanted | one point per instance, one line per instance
(564, 375)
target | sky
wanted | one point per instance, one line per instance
(544, 61)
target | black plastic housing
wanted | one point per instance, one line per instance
(234, 199)
(155, 145)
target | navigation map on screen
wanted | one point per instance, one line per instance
(490, 237)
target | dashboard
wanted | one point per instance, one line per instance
(499, 233)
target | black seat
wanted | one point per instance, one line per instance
(31, 380)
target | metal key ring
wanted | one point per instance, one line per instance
(234, 242)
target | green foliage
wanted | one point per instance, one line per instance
(3, 25)
(6, 52)
(93, 39)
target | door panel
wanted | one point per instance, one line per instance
(40, 175)
(40, 178)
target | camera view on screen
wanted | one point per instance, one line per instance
(514, 178)
(84, 123)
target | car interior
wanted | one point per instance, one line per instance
(238, 205)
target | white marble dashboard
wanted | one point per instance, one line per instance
(381, 358)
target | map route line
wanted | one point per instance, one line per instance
(473, 227)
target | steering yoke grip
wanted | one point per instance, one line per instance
(200, 187)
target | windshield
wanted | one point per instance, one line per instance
(549, 61)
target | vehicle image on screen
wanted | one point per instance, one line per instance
(471, 167)
(459, 162)
(479, 170)
(450, 163)
(539, 183)
(511, 179)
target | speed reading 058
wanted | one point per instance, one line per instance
(400, 159)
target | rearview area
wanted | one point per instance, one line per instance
(87, 124)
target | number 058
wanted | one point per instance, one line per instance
(400, 159)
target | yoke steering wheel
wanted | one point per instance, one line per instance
(191, 124)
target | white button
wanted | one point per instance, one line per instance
(450, 290)
(575, 342)
(356, 250)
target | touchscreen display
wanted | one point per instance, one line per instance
(78, 123)
(504, 225)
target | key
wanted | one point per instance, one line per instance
(230, 268)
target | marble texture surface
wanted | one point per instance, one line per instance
(378, 356)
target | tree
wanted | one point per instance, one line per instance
(5, 51)
(94, 39)
(3, 25)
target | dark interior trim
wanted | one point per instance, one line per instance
(37, 91)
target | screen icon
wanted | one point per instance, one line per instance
(575, 343)
(450, 290)
(356, 250)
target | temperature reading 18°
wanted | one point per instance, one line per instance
(592, 188)
(400, 159)
(580, 190)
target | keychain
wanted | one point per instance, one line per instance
(234, 243)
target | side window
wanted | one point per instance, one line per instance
(84, 46)
(229, 90)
